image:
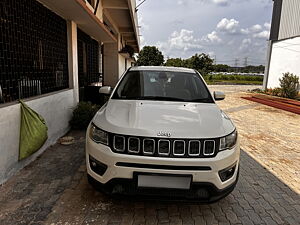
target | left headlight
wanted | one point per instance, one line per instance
(98, 135)
(229, 141)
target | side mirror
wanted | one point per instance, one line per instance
(218, 95)
(106, 90)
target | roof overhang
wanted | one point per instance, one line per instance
(123, 13)
(81, 14)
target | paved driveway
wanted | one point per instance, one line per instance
(54, 189)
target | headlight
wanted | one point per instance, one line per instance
(97, 135)
(228, 141)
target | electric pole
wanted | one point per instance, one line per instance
(236, 63)
(246, 62)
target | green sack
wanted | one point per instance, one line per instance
(33, 132)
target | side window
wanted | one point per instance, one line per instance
(130, 87)
(200, 87)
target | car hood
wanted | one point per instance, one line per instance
(148, 118)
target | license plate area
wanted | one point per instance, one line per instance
(168, 181)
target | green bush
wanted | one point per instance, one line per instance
(83, 114)
(277, 92)
(236, 77)
(289, 84)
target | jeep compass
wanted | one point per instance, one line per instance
(161, 133)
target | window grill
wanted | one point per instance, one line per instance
(88, 60)
(33, 50)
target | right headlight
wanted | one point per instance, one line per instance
(229, 141)
(98, 135)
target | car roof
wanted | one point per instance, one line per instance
(162, 68)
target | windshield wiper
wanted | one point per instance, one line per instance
(204, 100)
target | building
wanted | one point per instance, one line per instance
(284, 43)
(50, 51)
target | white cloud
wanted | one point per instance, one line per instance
(180, 2)
(182, 40)
(228, 25)
(267, 26)
(245, 31)
(246, 43)
(221, 2)
(212, 37)
(212, 54)
(256, 28)
(142, 41)
(142, 24)
(253, 29)
(263, 35)
(144, 27)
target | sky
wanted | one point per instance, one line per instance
(230, 31)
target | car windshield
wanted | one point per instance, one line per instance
(162, 86)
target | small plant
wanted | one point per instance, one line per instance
(276, 92)
(289, 84)
(83, 114)
(256, 90)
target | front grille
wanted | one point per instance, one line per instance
(163, 147)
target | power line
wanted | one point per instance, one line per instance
(136, 8)
(236, 62)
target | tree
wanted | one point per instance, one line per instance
(221, 68)
(203, 63)
(175, 62)
(150, 56)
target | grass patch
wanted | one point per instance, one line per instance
(233, 79)
(245, 82)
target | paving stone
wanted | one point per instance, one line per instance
(54, 189)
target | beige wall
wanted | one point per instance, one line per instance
(111, 64)
(122, 65)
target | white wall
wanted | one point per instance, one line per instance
(285, 58)
(56, 109)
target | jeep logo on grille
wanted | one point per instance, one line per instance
(164, 134)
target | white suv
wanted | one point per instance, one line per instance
(161, 133)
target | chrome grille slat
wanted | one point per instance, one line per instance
(147, 152)
(174, 150)
(114, 143)
(138, 145)
(199, 150)
(163, 153)
(204, 148)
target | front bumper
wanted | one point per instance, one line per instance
(121, 169)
